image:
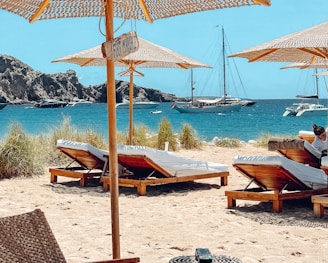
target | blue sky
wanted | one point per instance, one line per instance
(194, 35)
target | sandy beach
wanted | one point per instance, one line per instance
(172, 220)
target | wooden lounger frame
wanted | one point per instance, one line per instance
(91, 166)
(283, 186)
(142, 163)
(74, 172)
(275, 196)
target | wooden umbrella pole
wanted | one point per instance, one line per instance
(131, 109)
(112, 139)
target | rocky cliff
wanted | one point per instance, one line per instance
(19, 83)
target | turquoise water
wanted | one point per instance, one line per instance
(265, 117)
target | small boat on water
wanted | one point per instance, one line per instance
(2, 105)
(156, 112)
(306, 109)
(79, 102)
(51, 103)
(137, 105)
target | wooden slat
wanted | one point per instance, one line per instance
(271, 176)
(83, 157)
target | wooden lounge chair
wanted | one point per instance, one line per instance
(28, 238)
(89, 158)
(149, 166)
(297, 150)
(278, 178)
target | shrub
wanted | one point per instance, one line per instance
(66, 131)
(16, 157)
(188, 138)
(227, 142)
(165, 134)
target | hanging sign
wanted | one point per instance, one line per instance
(121, 46)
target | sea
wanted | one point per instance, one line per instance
(250, 123)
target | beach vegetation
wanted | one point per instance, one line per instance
(165, 134)
(18, 155)
(188, 138)
(26, 155)
(67, 131)
(141, 136)
(227, 142)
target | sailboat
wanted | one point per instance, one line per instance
(223, 104)
(306, 109)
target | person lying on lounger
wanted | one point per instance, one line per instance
(320, 140)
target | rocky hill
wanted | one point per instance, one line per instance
(19, 83)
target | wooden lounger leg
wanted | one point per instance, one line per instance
(277, 206)
(318, 210)
(276, 202)
(231, 202)
(141, 189)
(83, 181)
(224, 180)
(53, 178)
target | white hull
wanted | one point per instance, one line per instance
(314, 112)
(306, 110)
(208, 109)
(138, 105)
(51, 103)
(79, 103)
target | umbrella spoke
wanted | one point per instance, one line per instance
(145, 11)
(263, 55)
(39, 11)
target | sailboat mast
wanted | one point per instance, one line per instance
(224, 65)
(192, 85)
(317, 84)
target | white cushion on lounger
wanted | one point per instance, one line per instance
(169, 159)
(84, 147)
(310, 176)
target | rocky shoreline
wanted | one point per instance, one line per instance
(21, 84)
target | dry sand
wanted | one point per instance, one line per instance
(172, 220)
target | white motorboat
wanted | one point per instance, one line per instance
(306, 109)
(137, 105)
(51, 103)
(79, 102)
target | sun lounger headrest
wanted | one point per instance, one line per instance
(99, 153)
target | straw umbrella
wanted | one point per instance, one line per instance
(319, 63)
(148, 10)
(148, 55)
(305, 46)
